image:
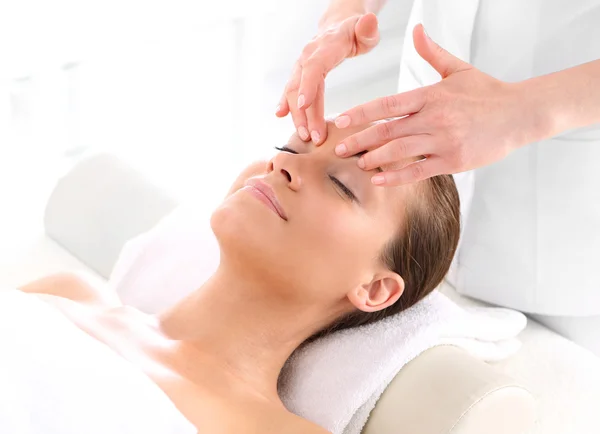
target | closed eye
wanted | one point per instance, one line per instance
(285, 149)
(345, 189)
(333, 179)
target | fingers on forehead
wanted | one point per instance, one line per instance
(334, 133)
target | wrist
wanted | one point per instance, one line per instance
(537, 112)
(545, 106)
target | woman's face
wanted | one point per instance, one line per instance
(324, 235)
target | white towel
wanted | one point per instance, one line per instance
(56, 379)
(336, 381)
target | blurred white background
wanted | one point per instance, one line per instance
(185, 90)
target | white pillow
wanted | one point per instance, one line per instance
(159, 267)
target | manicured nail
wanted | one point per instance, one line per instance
(361, 162)
(342, 121)
(303, 133)
(300, 101)
(341, 149)
(378, 179)
(315, 136)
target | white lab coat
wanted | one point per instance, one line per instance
(531, 235)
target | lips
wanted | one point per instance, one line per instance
(264, 192)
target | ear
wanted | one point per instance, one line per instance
(383, 291)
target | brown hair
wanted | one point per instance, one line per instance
(422, 252)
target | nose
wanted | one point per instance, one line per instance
(287, 165)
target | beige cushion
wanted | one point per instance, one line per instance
(445, 390)
(100, 204)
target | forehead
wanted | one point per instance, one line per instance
(334, 134)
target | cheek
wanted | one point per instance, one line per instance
(339, 238)
(328, 220)
(343, 227)
(341, 230)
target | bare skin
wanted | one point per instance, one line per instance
(217, 354)
(214, 402)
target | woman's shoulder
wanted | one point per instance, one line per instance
(289, 423)
(244, 413)
(73, 286)
(305, 427)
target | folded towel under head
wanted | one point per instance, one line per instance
(335, 381)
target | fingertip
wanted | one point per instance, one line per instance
(305, 100)
(315, 136)
(361, 163)
(323, 135)
(419, 27)
(341, 150)
(282, 108)
(342, 121)
(319, 132)
(367, 27)
(420, 35)
(303, 133)
(378, 179)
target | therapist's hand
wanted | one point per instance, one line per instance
(303, 95)
(467, 120)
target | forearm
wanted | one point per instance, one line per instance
(341, 9)
(565, 99)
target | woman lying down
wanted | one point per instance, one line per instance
(308, 246)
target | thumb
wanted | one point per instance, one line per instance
(366, 32)
(442, 61)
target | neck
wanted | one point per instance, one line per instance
(242, 326)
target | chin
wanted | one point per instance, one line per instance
(245, 232)
(252, 243)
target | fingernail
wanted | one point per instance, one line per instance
(342, 121)
(340, 149)
(378, 179)
(425, 31)
(315, 136)
(300, 101)
(277, 109)
(361, 162)
(303, 133)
